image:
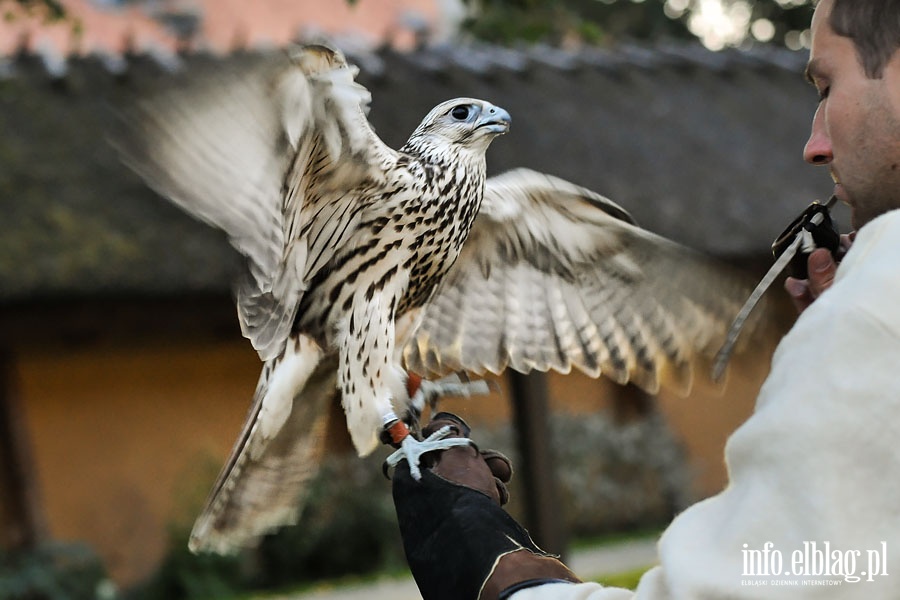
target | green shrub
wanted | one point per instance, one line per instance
(54, 572)
(349, 527)
(612, 477)
(186, 576)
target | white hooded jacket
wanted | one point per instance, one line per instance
(812, 507)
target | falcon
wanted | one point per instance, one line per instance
(365, 263)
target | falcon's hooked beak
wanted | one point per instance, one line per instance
(494, 119)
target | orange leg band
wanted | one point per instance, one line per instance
(398, 432)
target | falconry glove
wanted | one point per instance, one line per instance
(459, 542)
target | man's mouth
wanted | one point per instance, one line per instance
(839, 191)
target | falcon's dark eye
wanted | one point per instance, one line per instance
(460, 113)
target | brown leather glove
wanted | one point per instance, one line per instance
(459, 543)
(487, 471)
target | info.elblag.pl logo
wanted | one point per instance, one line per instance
(815, 563)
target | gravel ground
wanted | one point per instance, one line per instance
(587, 563)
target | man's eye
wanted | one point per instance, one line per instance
(823, 93)
(460, 113)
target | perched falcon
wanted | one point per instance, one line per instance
(364, 261)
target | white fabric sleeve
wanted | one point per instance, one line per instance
(812, 507)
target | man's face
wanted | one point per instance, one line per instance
(856, 128)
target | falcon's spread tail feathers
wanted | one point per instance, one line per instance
(277, 454)
(554, 276)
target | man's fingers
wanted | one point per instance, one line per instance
(798, 290)
(499, 464)
(821, 268)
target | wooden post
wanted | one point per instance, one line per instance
(22, 523)
(631, 403)
(543, 515)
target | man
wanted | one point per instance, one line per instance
(812, 508)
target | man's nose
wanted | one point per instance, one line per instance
(818, 149)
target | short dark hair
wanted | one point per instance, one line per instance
(874, 27)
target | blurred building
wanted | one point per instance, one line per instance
(222, 26)
(125, 378)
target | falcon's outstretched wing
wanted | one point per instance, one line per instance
(554, 276)
(277, 153)
(267, 153)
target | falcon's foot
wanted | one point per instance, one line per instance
(411, 449)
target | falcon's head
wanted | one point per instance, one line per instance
(462, 122)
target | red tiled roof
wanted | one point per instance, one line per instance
(223, 24)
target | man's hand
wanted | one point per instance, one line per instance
(486, 471)
(822, 268)
(459, 542)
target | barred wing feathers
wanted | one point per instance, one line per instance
(266, 153)
(554, 276)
